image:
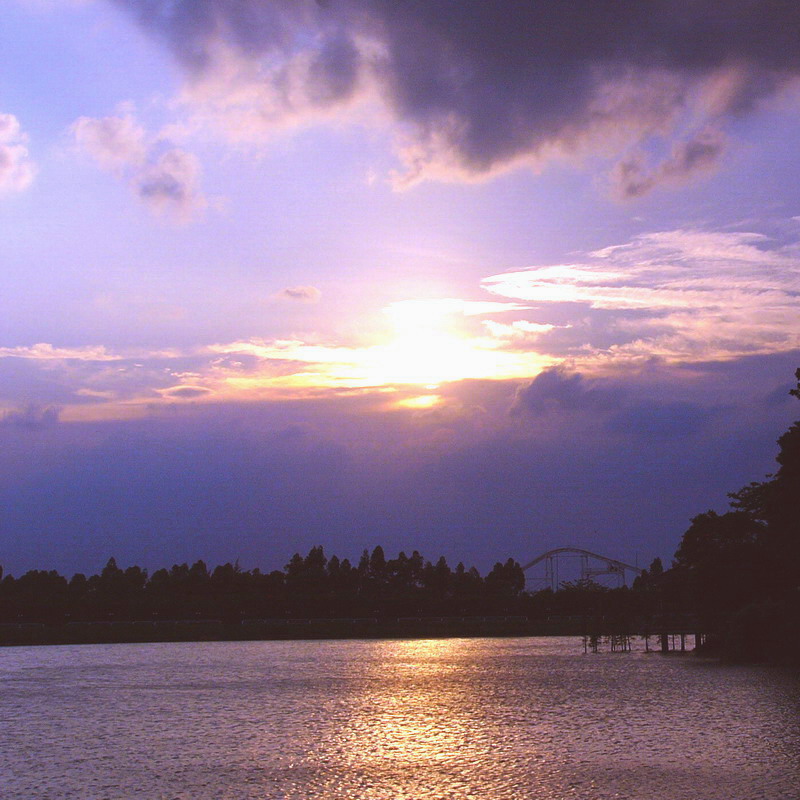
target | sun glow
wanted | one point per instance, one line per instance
(423, 345)
(420, 401)
(429, 343)
(426, 359)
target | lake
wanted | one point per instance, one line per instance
(447, 718)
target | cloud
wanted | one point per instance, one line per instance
(682, 295)
(17, 171)
(520, 334)
(659, 420)
(301, 294)
(560, 390)
(166, 179)
(780, 395)
(171, 184)
(631, 178)
(186, 392)
(43, 351)
(93, 382)
(114, 142)
(620, 405)
(31, 417)
(475, 88)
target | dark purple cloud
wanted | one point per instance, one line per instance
(780, 395)
(170, 183)
(657, 420)
(615, 405)
(32, 417)
(560, 390)
(187, 392)
(632, 178)
(484, 85)
(301, 294)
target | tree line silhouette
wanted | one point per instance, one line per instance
(736, 575)
(313, 586)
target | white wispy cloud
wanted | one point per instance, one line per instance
(165, 178)
(682, 294)
(116, 143)
(17, 170)
(436, 308)
(43, 351)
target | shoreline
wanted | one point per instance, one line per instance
(140, 632)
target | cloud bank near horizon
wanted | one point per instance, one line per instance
(563, 458)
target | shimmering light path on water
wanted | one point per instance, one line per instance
(489, 718)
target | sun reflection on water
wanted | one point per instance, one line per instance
(422, 724)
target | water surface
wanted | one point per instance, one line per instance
(458, 718)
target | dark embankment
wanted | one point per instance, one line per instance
(259, 630)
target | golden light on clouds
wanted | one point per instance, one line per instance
(428, 360)
(677, 296)
(420, 401)
(428, 343)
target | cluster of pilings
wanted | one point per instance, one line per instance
(674, 642)
(621, 643)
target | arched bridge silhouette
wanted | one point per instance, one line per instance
(592, 565)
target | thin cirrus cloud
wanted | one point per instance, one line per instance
(471, 85)
(17, 170)
(681, 295)
(165, 178)
(43, 351)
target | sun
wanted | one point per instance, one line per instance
(426, 344)
(425, 359)
(424, 348)
(431, 343)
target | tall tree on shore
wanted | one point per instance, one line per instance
(775, 504)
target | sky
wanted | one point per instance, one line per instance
(477, 279)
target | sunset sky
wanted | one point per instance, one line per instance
(478, 279)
